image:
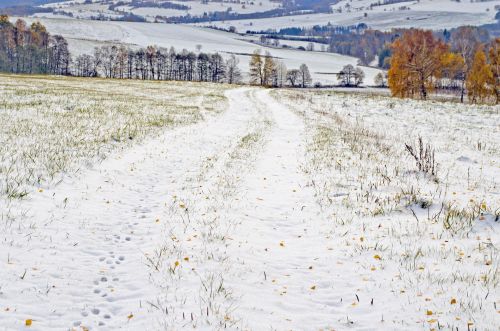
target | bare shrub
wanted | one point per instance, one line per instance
(424, 156)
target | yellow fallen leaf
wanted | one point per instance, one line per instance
(186, 258)
(429, 313)
(376, 257)
(177, 263)
(313, 287)
(28, 322)
(453, 301)
(282, 244)
(130, 316)
(432, 321)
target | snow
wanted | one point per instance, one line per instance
(260, 209)
(422, 5)
(197, 8)
(429, 241)
(376, 19)
(285, 42)
(82, 33)
(83, 243)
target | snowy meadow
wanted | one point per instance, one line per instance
(52, 125)
(163, 205)
(422, 231)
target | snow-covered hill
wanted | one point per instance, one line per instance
(84, 35)
(180, 206)
(438, 18)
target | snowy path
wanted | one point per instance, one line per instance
(284, 275)
(291, 271)
(280, 242)
(222, 210)
(79, 259)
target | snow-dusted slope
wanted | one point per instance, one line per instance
(376, 20)
(284, 209)
(83, 35)
(79, 9)
(428, 14)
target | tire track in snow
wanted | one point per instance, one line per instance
(283, 274)
(91, 236)
(195, 258)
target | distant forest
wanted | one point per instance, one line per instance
(9, 3)
(32, 50)
(289, 7)
(359, 41)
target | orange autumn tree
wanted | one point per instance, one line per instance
(453, 68)
(416, 62)
(480, 78)
(494, 57)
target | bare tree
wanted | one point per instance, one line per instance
(257, 68)
(465, 41)
(281, 72)
(359, 76)
(305, 76)
(346, 75)
(380, 80)
(270, 70)
(293, 77)
(233, 73)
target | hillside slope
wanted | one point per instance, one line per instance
(243, 208)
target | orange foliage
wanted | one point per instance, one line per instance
(416, 63)
(480, 78)
(494, 57)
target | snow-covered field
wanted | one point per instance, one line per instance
(197, 8)
(243, 208)
(440, 18)
(479, 7)
(79, 9)
(84, 35)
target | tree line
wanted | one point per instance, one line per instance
(421, 63)
(265, 70)
(32, 50)
(156, 63)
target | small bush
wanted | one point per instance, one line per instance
(424, 156)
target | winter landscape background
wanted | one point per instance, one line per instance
(249, 165)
